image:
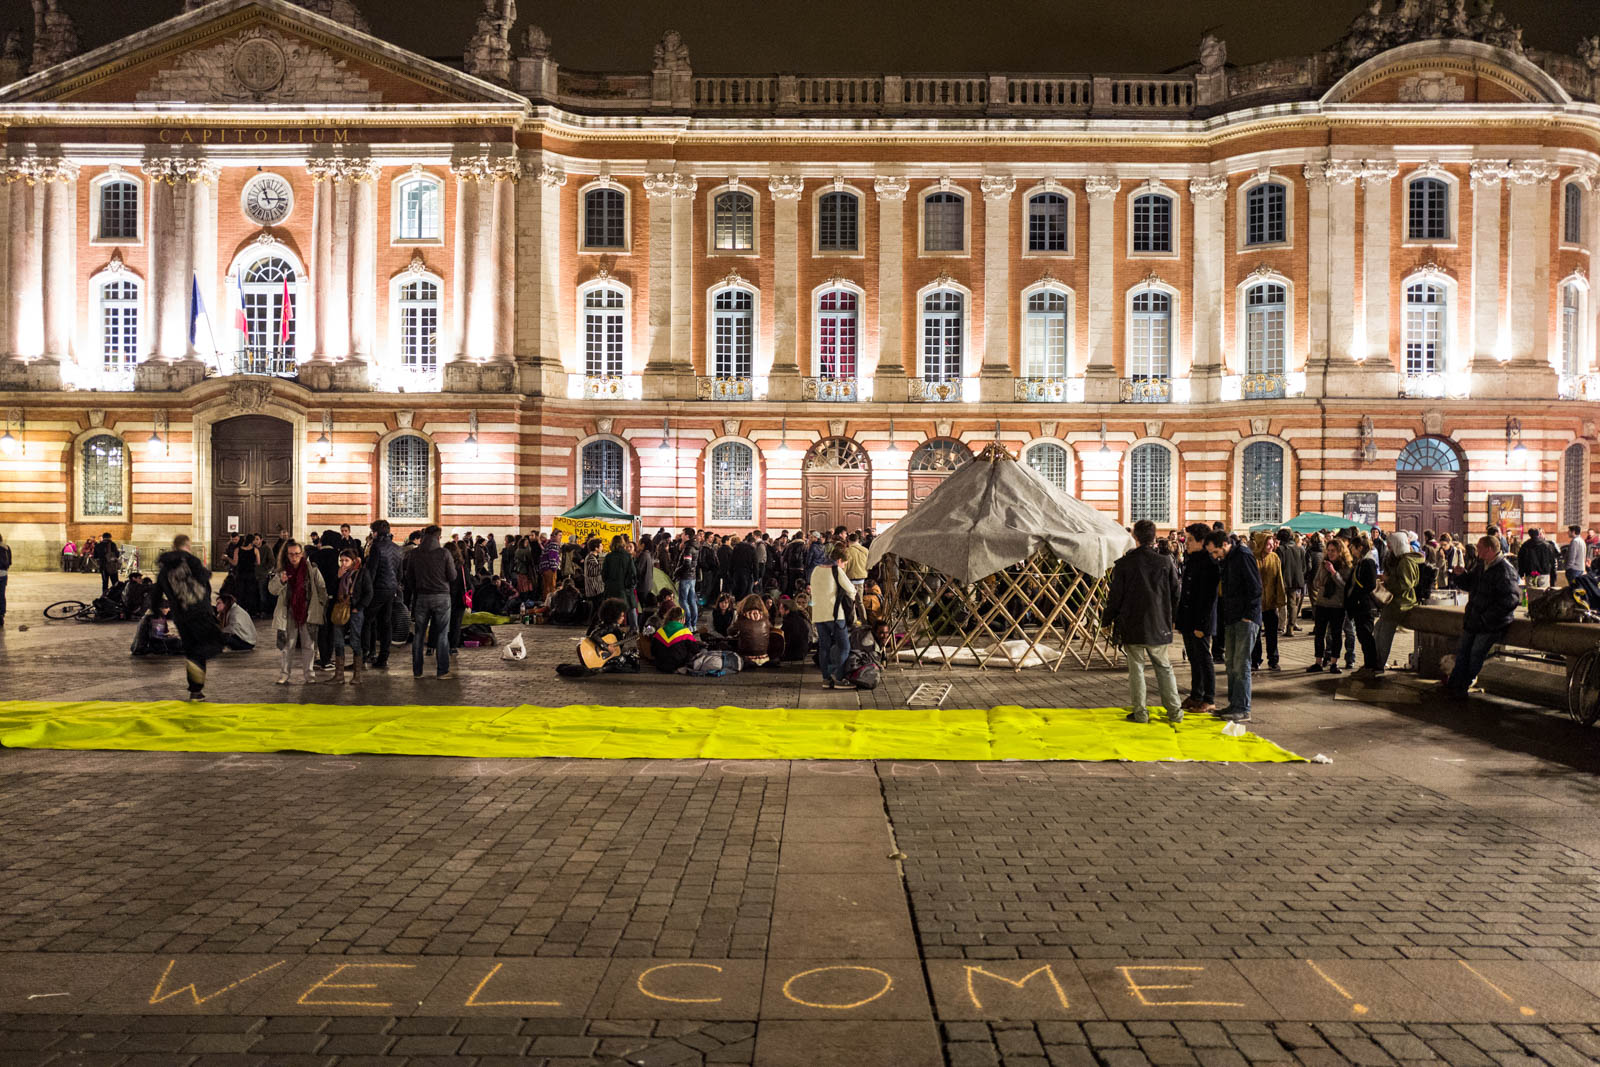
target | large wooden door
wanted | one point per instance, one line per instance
(252, 477)
(1430, 487)
(837, 487)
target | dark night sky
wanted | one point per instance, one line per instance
(876, 35)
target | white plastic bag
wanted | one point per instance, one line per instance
(515, 649)
(1234, 729)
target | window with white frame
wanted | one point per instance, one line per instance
(1428, 210)
(1151, 354)
(119, 322)
(732, 482)
(1265, 311)
(1044, 335)
(417, 306)
(102, 465)
(838, 222)
(1571, 329)
(602, 465)
(410, 476)
(1574, 486)
(1050, 460)
(1572, 214)
(1047, 222)
(118, 211)
(732, 333)
(1266, 214)
(944, 222)
(269, 292)
(941, 335)
(605, 218)
(604, 332)
(1424, 329)
(1152, 223)
(733, 221)
(419, 204)
(1150, 484)
(838, 325)
(1261, 483)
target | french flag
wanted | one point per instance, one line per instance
(241, 323)
(288, 313)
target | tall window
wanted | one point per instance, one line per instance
(604, 219)
(1044, 335)
(732, 483)
(1265, 307)
(103, 460)
(1425, 336)
(1152, 336)
(1047, 223)
(1050, 460)
(1266, 214)
(1261, 491)
(421, 202)
(119, 323)
(119, 211)
(941, 336)
(838, 220)
(604, 332)
(732, 333)
(1571, 329)
(270, 304)
(1429, 202)
(943, 218)
(410, 472)
(1572, 214)
(1150, 484)
(1152, 223)
(1574, 486)
(419, 325)
(837, 330)
(602, 471)
(733, 221)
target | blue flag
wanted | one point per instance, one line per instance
(196, 309)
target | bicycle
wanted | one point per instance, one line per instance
(65, 610)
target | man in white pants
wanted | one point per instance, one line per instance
(1144, 593)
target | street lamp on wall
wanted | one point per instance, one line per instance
(1366, 446)
(666, 435)
(9, 445)
(472, 433)
(893, 447)
(1516, 451)
(157, 444)
(324, 445)
(783, 442)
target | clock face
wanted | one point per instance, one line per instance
(267, 199)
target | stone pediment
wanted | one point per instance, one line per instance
(1446, 72)
(250, 53)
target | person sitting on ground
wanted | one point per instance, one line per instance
(136, 594)
(799, 636)
(238, 631)
(872, 602)
(568, 607)
(722, 615)
(156, 636)
(612, 622)
(752, 632)
(673, 645)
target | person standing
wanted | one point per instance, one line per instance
(183, 588)
(351, 597)
(683, 573)
(430, 570)
(383, 565)
(5, 567)
(1292, 558)
(107, 560)
(1274, 598)
(1360, 602)
(1139, 609)
(1327, 607)
(1239, 598)
(1574, 555)
(1400, 580)
(1197, 618)
(302, 605)
(1537, 557)
(621, 577)
(324, 555)
(832, 613)
(1492, 598)
(856, 558)
(742, 566)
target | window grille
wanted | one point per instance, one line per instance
(103, 459)
(1050, 460)
(1150, 484)
(409, 475)
(602, 471)
(1574, 486)
(732, 483)
(1262, 492)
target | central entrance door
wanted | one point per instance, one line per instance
(1430, 485)
(837, 485)
(252, 477)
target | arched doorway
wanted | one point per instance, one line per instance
(1430, 487)
(269, 294)
(932, 463)
(252, 478)
(837, 485)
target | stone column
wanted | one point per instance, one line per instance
(538, 335)
(658, 370)
(167, 297)
(1377, 177)
(202, 256)
(60, 259)
(1589, 178)
(1209, 196)
(784, 383)
(363, 260)
(889, 374)
(1316, 277)
(1485, 177)
(507, 172)
(25, 318)
(1100, 380)
(325, 177)
(334, 309)
(682, 272)
(467, 171)
(997, 384)
(1342, 177)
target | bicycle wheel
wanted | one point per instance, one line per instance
(1583, 689)
(62, 610)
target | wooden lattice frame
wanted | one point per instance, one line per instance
(1041, 601)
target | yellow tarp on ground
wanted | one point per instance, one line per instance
(598, 732)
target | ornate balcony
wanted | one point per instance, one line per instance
(1579, 387)
(834, 390)
(1147, 390)
(604, 387)
(1263, 386)
(925, 390)
(719, 388)
(1049, 390)
(1430, 385)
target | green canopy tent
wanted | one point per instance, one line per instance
(1311, 522)
(596, 516)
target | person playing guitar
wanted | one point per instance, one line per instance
(608, 643)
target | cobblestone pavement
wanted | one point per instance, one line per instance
(1431, 895)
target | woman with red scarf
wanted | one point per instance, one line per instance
(302, 605)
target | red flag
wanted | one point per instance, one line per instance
(288, 314)
(242, 323)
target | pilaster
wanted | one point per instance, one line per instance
(1100, 379)
(784, 381)
(24, 282)
(1377, 179)
(889, 374)
(658, 371)
(539, 282)
(1210, 257)
(996, 383)
(1316, 175)
(1485, 177)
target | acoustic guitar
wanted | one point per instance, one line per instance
(596, 653)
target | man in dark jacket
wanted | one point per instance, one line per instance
(108, 561)
(742, 567)
(1492, 598)
(429, 572)
(184, 586)
(383, 564)
(1197, 618)
(1293, 558)
(1537, 556)
(1144, 591)
(324, 556)
(1239, 604)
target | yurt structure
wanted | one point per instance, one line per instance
(997, 567)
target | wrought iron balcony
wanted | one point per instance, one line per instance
(926, 390)
(723, 388)
(1430, 385)
(1263, 386)
(1579, 387)
(604, 387)
(1050, 389)
(1147, 390)
(836, 390)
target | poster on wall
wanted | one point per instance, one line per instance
(1505, 511)
(1361, 507)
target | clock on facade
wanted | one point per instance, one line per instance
(267, 199)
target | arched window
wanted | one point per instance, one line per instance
(605, 218)
(1266, 214)
(1571, 329)
(118, 211)
(1044, 335)
(1425, 329)
(838, 222)
(410, 475)
(838, 326)
(733, 483)
(833, 454)
(1151, 356)
(941, 336)
(1572, 214)
(732, 333)
(604, 332)
(104, 459)
(1261, 483)
(1265, 305)
(1050, 460)
(270, 305)
(944, 222)
(733, 225)
(1150, 484)
(1047, 222)
(1428, 204)
(1428, 454)
(1574, 486)
(1152, 223)
(602, 467)
(419, 203)
(418, 311)
(119, 322)
(942, 455)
